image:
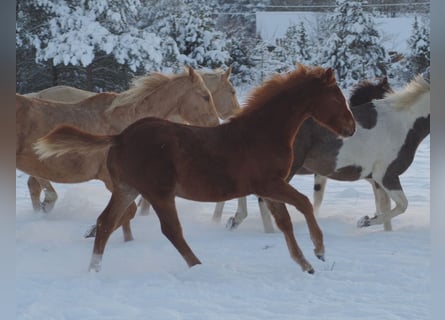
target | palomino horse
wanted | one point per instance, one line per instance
(389, 130)
(361, 93)
(217, 81)
(105, 113)
(251, 153)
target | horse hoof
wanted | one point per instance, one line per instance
(95, 268)
(311, 271)
(231, 224)
(91, 232)
(47, 206)
(364, 222)
(321, 257)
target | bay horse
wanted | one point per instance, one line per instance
(363, 92)
(217, 81)
(157, 95)
(389, 130)
(249, 154)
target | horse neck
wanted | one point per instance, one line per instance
(278, 120)
(162, 103)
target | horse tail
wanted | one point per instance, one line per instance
(65, 139)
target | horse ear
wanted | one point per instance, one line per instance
(192, 74)
(330, 74)
(385, 80)
(228, 72)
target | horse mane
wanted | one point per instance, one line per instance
(409, 94)
(367, 90)
(281, 83)
(142, 87)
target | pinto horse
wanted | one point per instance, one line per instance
(389, 130)
(249, 154)
(217, 81)
(104, 113)
(363, 92)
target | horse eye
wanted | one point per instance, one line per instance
(207, 98)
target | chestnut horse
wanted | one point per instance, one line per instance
(217, 81)
(361, 93)
(249, 154)
(104, 113)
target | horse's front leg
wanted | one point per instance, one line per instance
(265, 216)
(280, 191)
(217, 213)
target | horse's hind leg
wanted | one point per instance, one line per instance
(398, 196)
(35, 186)
(109, 220)
(125, 221)
(171, 228)
(129, 214)
(382, 203)
(35, 189)
(50, 195)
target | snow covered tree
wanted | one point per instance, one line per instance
(352, 46)
(82, 32)
(199, 42)
(419, 45)
(295, 44)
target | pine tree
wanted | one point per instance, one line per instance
(419, 45)
(296, 46)
(352, 47)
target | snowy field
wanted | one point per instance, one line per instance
(246, 274)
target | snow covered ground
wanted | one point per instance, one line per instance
(246, 274)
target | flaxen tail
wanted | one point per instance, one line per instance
(65, 139)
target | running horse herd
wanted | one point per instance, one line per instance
(163, 138)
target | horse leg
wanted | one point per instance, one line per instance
(144, 206)
(35, 189)
(125, 222)
(398, 196)
(265, 216)
(284, 223)
(129, 214)
(240, 215)
(109, 220)
(217, 213)
(382, 203)
(319, 188)
(281, 191)
(50, 195)
(172, 230)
